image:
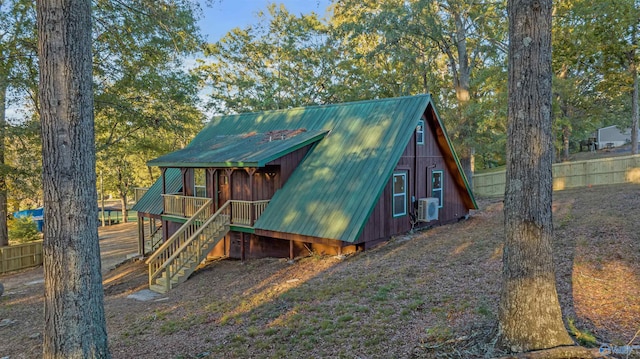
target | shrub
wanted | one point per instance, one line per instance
(22, 230)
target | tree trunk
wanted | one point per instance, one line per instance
(529, 314)
(73, 305)
(4, 236)
(123, 202)
(566, 133)
(466, 161)
(634, 106)
(462, 79)
(464, 71)
(150, 172)
(122, 188)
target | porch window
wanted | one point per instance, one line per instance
(199, 182)
(420, 133)
(399, 194)
(436, 186)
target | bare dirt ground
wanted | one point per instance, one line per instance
(433, 294)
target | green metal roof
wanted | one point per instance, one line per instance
(151, 201)
(333, 191)
(250, 149)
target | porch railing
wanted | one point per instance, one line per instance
(158, 259)
(183, 206)
(243, 213)
(138, 192)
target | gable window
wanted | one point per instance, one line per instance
(199, 182)
(420, 133)
(399, 194)
(436, 186)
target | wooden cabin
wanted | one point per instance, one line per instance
(330, 179)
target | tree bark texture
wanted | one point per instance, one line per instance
(529, 314)
(566, 134)
(462, 86)
(4, 235)
(74, 314)
(634, 106)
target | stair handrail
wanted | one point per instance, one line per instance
(190, 224)
(194, 235)
(156, 233)
(150, 239)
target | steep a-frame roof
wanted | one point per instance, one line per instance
(335, 188)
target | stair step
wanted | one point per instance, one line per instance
(162, 280)
(158, 288)
(196, 254)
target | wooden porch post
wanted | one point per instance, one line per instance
(212, 190)
(229, 172)
(140, 235)
(251, 172)
(291, 249)
(163, 173)
(185, 191)
(242, 246)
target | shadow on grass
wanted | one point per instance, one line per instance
(431, 295)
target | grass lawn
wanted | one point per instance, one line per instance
(432, 294)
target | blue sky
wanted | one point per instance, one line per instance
(220, 16)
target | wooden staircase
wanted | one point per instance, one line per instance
(180, 255)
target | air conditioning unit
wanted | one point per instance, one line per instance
(428, 209)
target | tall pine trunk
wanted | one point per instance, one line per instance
(566, 134)
(73, 306)
(462, 85)
(4, 235)
(634, 106)
(529, 314)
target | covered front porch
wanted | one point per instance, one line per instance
(244, 214)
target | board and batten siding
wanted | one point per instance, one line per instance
(264, 187)
(418, 161)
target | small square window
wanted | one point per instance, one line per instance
(420, 133)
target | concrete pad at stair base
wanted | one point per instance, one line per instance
(144, 295)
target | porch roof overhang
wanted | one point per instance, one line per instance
(151, 202)
(246, 150)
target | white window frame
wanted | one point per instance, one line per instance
(440, 190)
(420, 133)
(394, 194)
(197, 186)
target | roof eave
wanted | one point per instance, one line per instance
(455, 156)
(230, 164)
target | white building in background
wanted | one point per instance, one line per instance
(612, 136)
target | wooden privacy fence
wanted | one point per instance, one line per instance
(613, 170)
(20, 256)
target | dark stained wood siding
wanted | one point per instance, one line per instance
(267, 180)
(290, 162)
(418, 161)
(240, 185)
